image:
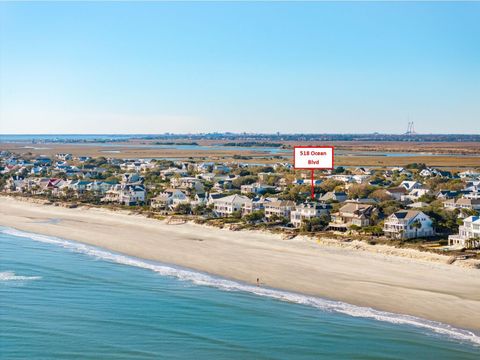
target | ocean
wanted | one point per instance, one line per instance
(64, 300)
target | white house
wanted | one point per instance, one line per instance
(396, 193)
(360, 179)
(187, 183)
(16, 184)
(254, 205)
(410, 185)
(472, 195)
(227, 205)
(169, 199)
(64, 156)
(126, 194)
(100, 186)
(362, 171)
(399, 171)
(279, 208)
(342, 177)
(427, 172)
(468, 234)
(308, 211)
(469, 174)
(415, 194)
(132, 179)
(79, 186)
(408, 224)
(255, 188)
(172, 171)
(462, 203)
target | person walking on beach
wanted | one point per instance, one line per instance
(258, 281)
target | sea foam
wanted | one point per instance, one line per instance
(202, 279)
(11, 276)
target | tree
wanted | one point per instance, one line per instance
(255, 216)
(468, 212)
(199, 209)
(416, 166)
(416, 225)
(376, 230)
(236, 214)
(246, 180)
(69, 193)
(330, 185)
(427, 198)
(113, 179)
(389, 207)
(266, 169)
(272, 180)
(359, 191)
(295, 193)
(380, 195)
(354, 227)
(278, 219)
(183, 208)
(243, 172)
(444, 220)
(314, 224)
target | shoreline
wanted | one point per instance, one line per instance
(412, 286)
(204, 279)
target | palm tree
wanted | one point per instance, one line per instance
(416, 225)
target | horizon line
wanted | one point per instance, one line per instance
(236, 133)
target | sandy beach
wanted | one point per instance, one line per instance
(431, 290)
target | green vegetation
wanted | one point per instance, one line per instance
(255, 216)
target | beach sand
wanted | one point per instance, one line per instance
(431, 290)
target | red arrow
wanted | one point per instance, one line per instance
(313, 187)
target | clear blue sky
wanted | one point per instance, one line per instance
(256, 67)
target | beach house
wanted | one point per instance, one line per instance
(187, 183)
(227, 205)
(100, 187)
(408, 224)
(462, 203)
(279, 209)
(468, 234)
(308, 211)
(353, 213)
(168, 199)
(126, 194)
(255, 204)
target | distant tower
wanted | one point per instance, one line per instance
(410, 128)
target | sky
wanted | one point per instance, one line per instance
(155, 67)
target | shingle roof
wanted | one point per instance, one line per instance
(406, 214)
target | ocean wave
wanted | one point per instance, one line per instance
(11, 276)
(202, 279)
